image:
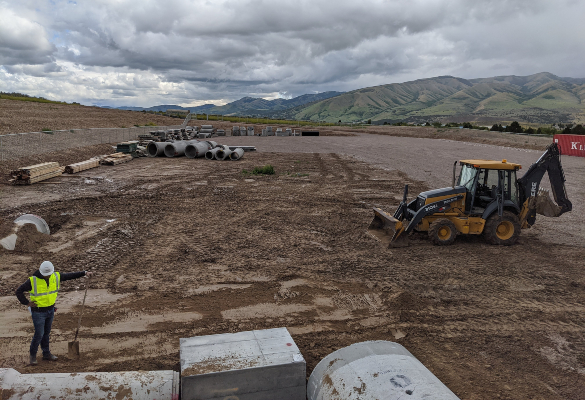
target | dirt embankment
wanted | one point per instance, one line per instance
(461, 135)
(25, 116)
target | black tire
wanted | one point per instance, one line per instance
(442, 232)
(502, 231)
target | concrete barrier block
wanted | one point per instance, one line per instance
(260, 364)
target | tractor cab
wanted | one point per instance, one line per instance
(489, 184)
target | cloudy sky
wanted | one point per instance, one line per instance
(191, 52)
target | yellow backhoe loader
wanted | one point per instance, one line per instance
(487, 199)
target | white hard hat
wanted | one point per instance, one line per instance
(46, 268)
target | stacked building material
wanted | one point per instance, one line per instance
(35, 173)
(236, 131)
(115, 159)
(250, 131)
(82, 166)
(127, 147)
(220, 132)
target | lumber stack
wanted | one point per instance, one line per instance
(35, 173)
(115, 159)
(82, 166)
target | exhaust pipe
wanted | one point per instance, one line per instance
(177, 149)
(237, 154)
(156, 149)
(210, 154)
(196, 150)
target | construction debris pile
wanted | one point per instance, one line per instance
(36, 173)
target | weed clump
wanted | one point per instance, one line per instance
(265, 170)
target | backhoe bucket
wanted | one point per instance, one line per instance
(545, 205)
(388, 230)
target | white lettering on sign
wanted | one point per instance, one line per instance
(574, 145)
(533, 190)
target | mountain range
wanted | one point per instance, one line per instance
(246, 105)
(540, 98)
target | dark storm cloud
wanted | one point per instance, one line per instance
(219, 51)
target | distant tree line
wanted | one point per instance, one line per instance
(515, 127)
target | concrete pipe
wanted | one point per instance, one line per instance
(380, 369)
(156, 149)
(146, 385)
(237, 154)
(212, 143)
(177, 149)
(196, 150)
(223, 154)
(206, 126)
(210, 154)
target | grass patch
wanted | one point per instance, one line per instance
(265, 170)
(24, 97)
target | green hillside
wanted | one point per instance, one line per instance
(540, 98)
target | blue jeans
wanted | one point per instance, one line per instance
(42, 321)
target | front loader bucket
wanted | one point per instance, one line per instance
(387, 229)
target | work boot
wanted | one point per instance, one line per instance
(33, 359)
(49, 357)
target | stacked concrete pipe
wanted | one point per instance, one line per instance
(156, 149)
(237, 154)
(223, 153)
(210, 154)
(198, 149)
(177, 149)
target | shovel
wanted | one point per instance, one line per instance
(73, 347)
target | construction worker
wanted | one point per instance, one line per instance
(43, 287)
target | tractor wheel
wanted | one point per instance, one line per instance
(442, 232)
(504, 230)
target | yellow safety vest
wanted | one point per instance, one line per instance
(42, 294)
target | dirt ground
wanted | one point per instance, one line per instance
(193, 247)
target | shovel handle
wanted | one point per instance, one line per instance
(81, 314)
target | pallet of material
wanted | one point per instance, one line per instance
(82, 166)
(24, 179)
(115, 159)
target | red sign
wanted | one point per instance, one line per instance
(571, 145)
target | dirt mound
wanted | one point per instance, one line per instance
(29, 239)
(6, 228)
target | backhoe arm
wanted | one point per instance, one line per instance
(549, 162)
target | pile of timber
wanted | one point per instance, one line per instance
(115, 159)
(82, 166)
(35, 173)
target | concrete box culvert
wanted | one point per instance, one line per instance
(380, 370)
(196, 150)
(155, 149)
(251, 365)
(237, 154)
(210, 154)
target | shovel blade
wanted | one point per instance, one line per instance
(73, 348)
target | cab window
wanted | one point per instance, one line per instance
(467, 177)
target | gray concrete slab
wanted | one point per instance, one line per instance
(261, 364)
